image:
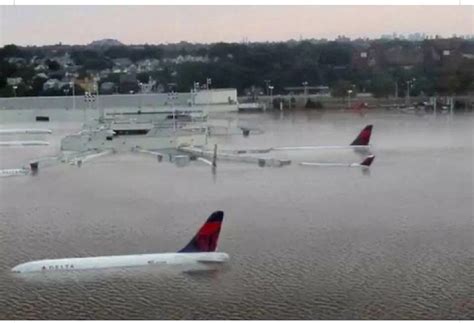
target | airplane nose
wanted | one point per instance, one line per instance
(16, 270)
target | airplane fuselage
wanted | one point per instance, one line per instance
(69, 264)
(23, 143)
(13, 172)
(31, 131)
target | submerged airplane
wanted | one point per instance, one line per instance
(27, 131)
(23, 143)
(201, 249)
(361, 142)
(364, 164)
(14, 172)
(15, 143)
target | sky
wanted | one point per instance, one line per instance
(46, 25)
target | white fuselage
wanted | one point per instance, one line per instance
(13, 143)
(31, 131)
(69, 264)
(13, 172)
(323, 147)
(333, 164)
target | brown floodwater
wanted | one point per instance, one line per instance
(304, 242)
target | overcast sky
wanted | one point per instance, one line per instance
(40, 25)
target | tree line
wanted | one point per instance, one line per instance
(381, 67)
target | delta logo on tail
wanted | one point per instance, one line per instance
(363, 139)
(201, 249)
(206, 238)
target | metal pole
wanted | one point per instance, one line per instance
(99, 106)
(73, 95)
(407, 97)
(271, 95)
(84, 109)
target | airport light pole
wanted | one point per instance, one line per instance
(409, 86)
(270, 87)
(267, 82)
(140, 84)
(97, 100)
(73, 87)
(89, 98)
(305, 85)
(349, 92)
(172, 96)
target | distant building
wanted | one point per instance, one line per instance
(319, 90)
(122, 62)
(12, 81)
(41, 75)
(147, 87)
(16, 60)
(147, 65)
(129, 77)
(107, 88)
(41, 68)
(64, 61)
(51, 84)
(216, 96)
(188, 58)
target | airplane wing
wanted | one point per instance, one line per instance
(262, 162)
(365, 163)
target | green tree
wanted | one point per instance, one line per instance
(53, 65)
(341, 88)
(382, 85)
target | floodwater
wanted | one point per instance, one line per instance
(304, 242)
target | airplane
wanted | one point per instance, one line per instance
(14, 172)
(15, 143)
(200, 250)
(364, 164)
(187, 153)
(361, 142)
(27, 131)
(23, 143)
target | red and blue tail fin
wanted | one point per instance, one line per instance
(206, 238)
(368, 161)
(363, 138)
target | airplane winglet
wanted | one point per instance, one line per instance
(363, 139)
(368, 160)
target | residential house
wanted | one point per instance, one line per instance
(51, 84)
(14, 81)
(107, 88)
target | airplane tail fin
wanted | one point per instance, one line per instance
(206, 238)
(368, 161)
(363, 138)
